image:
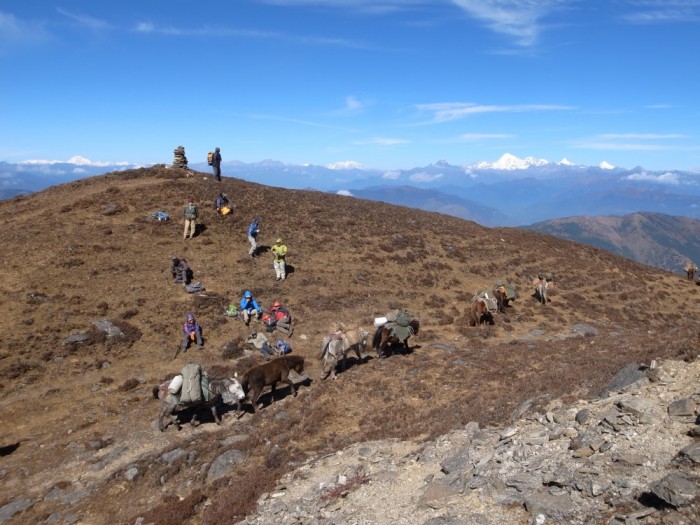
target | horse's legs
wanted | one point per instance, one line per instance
(215, 413)
(291, 384)
(167, 411)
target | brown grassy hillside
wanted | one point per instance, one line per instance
(79, 416)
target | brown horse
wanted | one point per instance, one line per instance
(384, 336)
(212, 395)
(479, 313)
(269, 374)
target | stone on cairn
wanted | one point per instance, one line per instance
(180, 161)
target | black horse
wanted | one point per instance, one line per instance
(385, 336)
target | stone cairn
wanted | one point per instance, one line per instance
(179, 161)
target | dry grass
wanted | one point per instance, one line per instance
(352, 261)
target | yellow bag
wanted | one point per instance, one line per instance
(225, 210)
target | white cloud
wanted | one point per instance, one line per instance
(345, 193)
(84, 20)
(664, 178)
(77, 160)
(663, 11)
(521, 19)
(425, 177)
(449, 111)
(391, 175)
(641, 136)
(14, 31)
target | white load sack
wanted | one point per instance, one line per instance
(175, 385)
(380, 321)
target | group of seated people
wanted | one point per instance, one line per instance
(278, 316)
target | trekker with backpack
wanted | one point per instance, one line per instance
(191, 212)
(216, 164)
(249, 307)
(222, 204)
(279, 250)
(253, 231)
(180, 270)
(193, 332)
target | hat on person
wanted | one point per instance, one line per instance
(279, 240)
(247, 294)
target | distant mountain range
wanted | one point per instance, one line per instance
(655, 239)
(508, 192)
(650, 217)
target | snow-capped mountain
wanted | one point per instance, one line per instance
(606, 166)
(345, 165)
(510, 162)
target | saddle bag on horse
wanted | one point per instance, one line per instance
(489, 299)
(191, 391)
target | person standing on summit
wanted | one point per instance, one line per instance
(216, 164)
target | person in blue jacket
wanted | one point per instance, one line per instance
(193, 332)
(253, 231)
(249, 307)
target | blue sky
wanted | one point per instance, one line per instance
(386, 83)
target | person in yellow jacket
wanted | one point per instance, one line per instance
(279, 250)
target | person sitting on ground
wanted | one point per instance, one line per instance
(283, 320)
(222, 204)
(249, 307)
(193, 332)
(180, 270)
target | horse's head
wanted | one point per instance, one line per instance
(235, 388)
(415, 325)
(364, 335)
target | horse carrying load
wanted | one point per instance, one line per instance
(396, 326)
(193, 388)
(504, 292)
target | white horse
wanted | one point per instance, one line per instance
(542, 287)
(338, 344)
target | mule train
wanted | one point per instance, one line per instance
(337, 345)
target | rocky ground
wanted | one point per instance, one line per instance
(630, 457)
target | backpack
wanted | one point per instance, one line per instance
(161, 216)
(282, 347)
(210, 158)
(191, 391)
(191, 211)
(194, 287)
(269, 321)
(232, 310)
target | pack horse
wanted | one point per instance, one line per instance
(193, 390)
(338, 344)
(397, 327)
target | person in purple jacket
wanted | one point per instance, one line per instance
(193, 332)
